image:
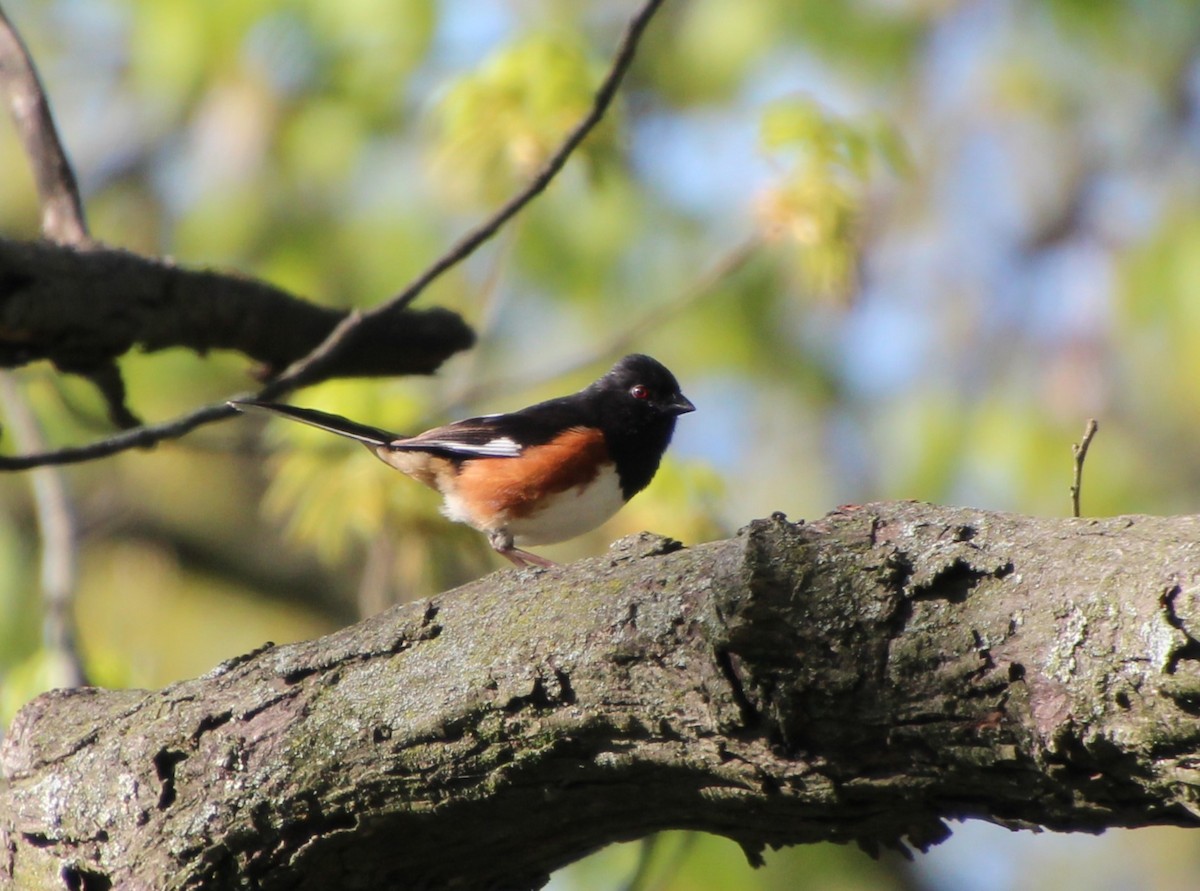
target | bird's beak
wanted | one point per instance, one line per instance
(680, 405)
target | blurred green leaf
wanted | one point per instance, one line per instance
(371, 47)
(499, 125)
(816, 203)
(707, 50)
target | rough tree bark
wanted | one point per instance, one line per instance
(860, 678)
(82, 308)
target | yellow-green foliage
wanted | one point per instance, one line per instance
(816, 203)
(499, 124)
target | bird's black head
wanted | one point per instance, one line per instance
(640, 400)
(645, 388)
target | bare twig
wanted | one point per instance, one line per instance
(62, 211)
(1080, 453)
(139, 437)
(309, 369)
(56, 526)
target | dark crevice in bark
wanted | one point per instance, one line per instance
(955, 582)
(210, 722)
(76, 878)
(164, 768)
(728, 663)
(1189, 649)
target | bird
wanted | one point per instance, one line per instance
(539, 475)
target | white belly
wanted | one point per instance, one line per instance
(570, 513)
(561, 516)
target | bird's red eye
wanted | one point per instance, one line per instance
(639, 391)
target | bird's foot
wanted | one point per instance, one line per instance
(524, 558)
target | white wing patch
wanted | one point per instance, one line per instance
(501, 447)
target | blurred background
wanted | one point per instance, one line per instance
(891, 248)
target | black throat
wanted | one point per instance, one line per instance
(638, 450)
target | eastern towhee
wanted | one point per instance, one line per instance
(540, 475)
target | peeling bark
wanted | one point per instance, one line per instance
(860, 678)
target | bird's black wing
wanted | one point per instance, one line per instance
(502, 435)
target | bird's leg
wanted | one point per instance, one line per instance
(524, 558)
(501, 541)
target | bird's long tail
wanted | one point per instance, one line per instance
(322, 420)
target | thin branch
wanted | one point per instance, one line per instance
(62, 211)
(726, 265)
(57, 530)
(309, 369)
(374, 593)
(139, 437)
(1080, 453)
(600, 103)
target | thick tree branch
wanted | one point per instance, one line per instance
(861, 678)
(79, 309)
